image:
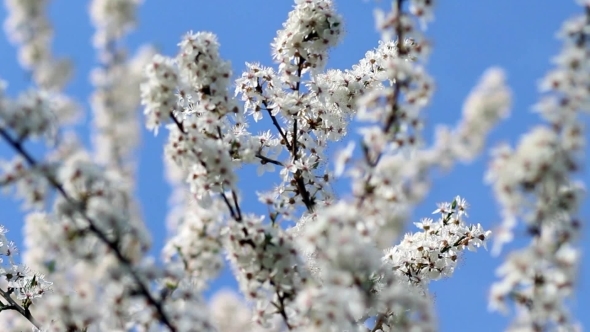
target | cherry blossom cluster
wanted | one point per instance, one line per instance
(344, 264)
(434, 252)
(88, 222)
(310, 30)
(158, 91)
(116, 80)
(329, 237)
(114, 107)
(29, 28)
(313, 262)
(20, 287)
(113, 19)
(352, 283)
(392, 175)
(35, 113)
(32, 115)
(535, 183)
(196, 245)
(208, 135)
(267, 267)
(484, 107)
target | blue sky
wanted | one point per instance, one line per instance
(468, 37)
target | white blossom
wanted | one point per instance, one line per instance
(316, 259)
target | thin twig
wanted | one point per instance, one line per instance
(265, 159)
(305, 196)
(238, 210)
(294, 144)
(178, 122)
(234, 211)
(275, 122)
(281, 310)
(291, 147)
(230, 207)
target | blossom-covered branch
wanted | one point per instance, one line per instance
(28, 27)
(535, 183)
(73, 207)
(315, 261)
(23, 287)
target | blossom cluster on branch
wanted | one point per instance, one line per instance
(313, 262)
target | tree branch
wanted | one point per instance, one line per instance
(177, 122)
(26, 313)
(264, 159)
(275, 122)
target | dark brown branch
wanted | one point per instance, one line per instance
(275, 122)
(233, 213)
(300, 63)
(281, 310)
(305, 196)
(294, 144)
(177, 122)
(236, 204)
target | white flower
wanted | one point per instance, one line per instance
(158, 91)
